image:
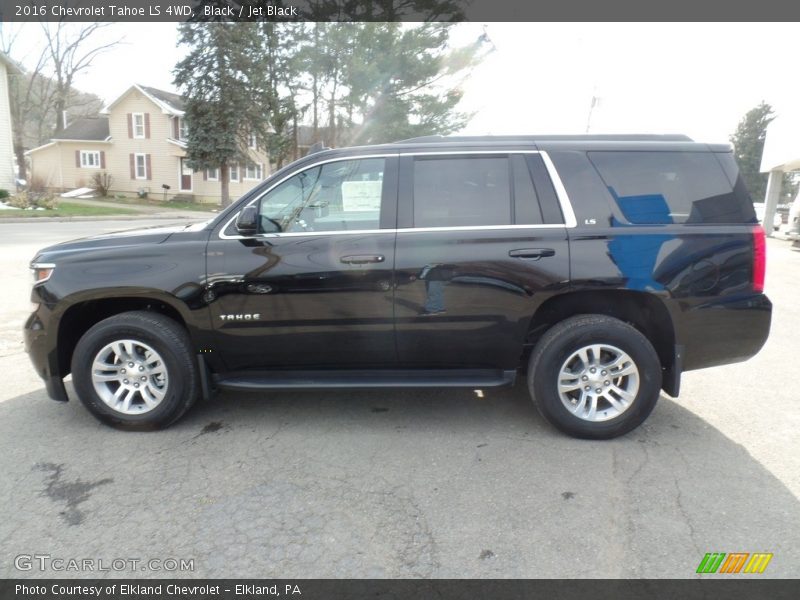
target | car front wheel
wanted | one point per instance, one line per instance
(135, 370)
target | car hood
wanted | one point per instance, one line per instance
(118, 239)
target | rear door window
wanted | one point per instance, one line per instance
(671, 187)
(475, 191)
(462, 191)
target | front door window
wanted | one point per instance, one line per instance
(337, 196)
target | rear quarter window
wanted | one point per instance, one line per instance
(673, 187)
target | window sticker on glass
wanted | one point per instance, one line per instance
(361, 195)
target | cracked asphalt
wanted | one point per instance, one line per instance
(402, 483)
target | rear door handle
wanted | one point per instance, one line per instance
(531, 253)
(362, 259)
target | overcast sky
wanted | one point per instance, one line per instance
(697, 79)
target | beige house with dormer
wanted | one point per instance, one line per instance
(139, 140)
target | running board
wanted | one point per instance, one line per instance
(349, 379)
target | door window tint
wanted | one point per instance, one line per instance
(458, 192)
(670, 187)
(338, 196)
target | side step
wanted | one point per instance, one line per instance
(365, 378)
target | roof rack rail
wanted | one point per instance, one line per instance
(605, 137)
(317, 147)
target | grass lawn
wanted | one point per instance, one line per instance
(160, 203)
(68, 209)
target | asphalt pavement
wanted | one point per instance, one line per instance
(407, 483)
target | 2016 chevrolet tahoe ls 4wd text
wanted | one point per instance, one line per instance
(601, 267)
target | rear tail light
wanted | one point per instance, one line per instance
(759, 258)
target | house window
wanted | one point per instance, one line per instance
(254, 171)
(90, 159)
(141, 166)
(183, 130)
(253, 141)
(138, 125)
(234, 172)
(212, 174)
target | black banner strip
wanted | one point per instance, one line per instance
(132, 11)
(733, 588)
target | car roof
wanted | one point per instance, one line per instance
(637, 137)
(521, 143)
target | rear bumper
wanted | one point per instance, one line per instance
(724, 331)
(42, 350)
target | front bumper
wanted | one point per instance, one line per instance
(43, 352)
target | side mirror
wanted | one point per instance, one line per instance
(247, 221)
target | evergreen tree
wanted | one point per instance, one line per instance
(748, 144)
(405, 81)
(215, 77)
(386, 81)
(363, 83)
(277, 79)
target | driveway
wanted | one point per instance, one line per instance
(402, 483)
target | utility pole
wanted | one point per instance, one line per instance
(595, 101)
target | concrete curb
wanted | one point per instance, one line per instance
(139, 217)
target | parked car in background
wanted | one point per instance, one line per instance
(761, 209)
(794, 218)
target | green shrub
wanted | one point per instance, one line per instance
(34, 200)
(3, 194)
(20, 200)
(45, 200)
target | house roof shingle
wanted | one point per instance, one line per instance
(87, 128)
(174, 100)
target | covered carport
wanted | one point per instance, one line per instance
(781, 155)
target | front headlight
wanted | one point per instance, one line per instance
(42, 272)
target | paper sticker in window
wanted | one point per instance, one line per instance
(361, 196)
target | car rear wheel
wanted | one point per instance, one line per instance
(136, 370)
(595, 377)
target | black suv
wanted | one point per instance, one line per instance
(601, 266)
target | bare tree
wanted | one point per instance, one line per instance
(40, 95)
(29, 92)
(70, 53)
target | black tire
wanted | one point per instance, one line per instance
(163, 335)
(567, 337)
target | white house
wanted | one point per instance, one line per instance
(7, 169)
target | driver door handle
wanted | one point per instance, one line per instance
(362, 259)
